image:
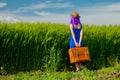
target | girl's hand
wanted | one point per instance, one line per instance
(77, 45)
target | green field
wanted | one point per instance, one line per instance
(111, 73)
(43, 47)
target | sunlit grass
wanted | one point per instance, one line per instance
(111, 73)
(44, 47)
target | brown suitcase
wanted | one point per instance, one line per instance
(79, 54)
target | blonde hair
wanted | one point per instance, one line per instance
(75, 14)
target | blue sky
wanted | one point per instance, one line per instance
(58, 11)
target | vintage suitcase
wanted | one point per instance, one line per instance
(79, 54)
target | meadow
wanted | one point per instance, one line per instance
(111, 73)
(26, 47)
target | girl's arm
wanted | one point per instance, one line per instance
(73, 35)
(81, 35)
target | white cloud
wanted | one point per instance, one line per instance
(48, 17)
(98, 15)
(104, 14)
(2, 4)
(60, 0)
(47, 4)
(52, 17)
(115, 7)
(101, 19)
(6, 16)
(42, 13)
(8, 19)
(112, 7)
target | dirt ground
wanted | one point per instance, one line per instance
(114, 74)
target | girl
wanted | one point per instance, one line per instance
(76, 34)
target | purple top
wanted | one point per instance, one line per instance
(75, 21)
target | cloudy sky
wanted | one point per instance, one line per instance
(58, 11)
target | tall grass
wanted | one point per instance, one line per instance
(44, 46)
(104, 44)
